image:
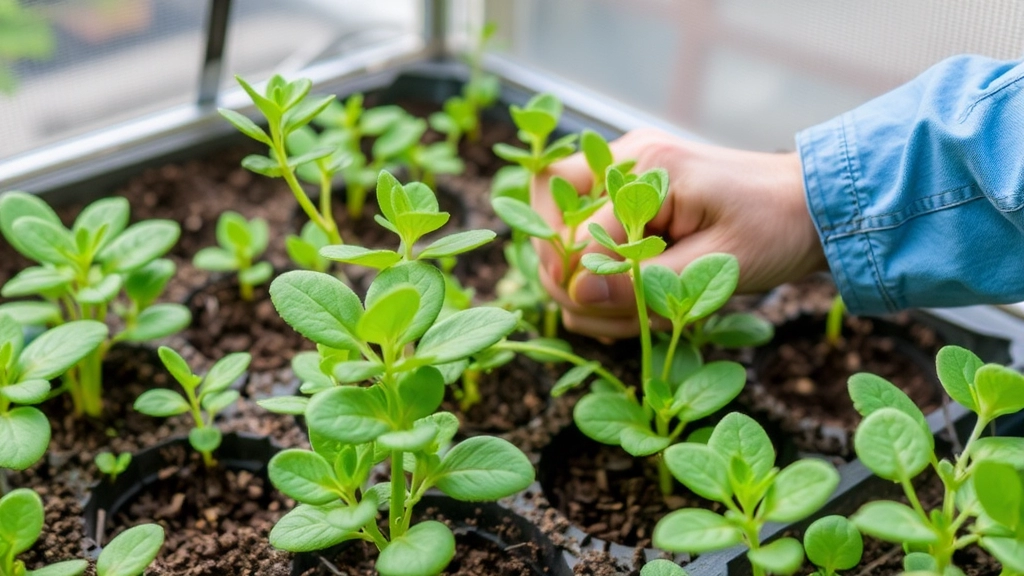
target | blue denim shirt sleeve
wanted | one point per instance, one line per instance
(917, 194)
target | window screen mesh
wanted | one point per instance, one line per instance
(751, 72)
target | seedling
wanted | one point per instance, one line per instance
(536, 122)
(112, 465)
(204, 397)
(82, 272)
(678, 388)
(662, 567)
(832, 544)
(241, 242)
(461, 114)
(21, 523)
(983, 498)
(25, 374)
(736, 468)
(834, 322)
(304, 249)
(287, 109)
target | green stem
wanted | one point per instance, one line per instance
(396, 510)
(664, 475)
(526, 347)
(470, 393)
(373, 532)
(551, 313)
(301, 197)
(326, 210)
(666, 370)
(754, 543)
(90, 381)
(356, 200)
(645, 323)
(908, 489)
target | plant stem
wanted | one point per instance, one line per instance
(470, 393)
(645, 323)
(90, 380)
(664, 474)
(561, 355)
(356, 197)
(551, 312)
(666, 370)
(245, 290)
(326, 210)
(373, 532)
(396, 509)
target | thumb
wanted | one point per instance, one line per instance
(609, 293)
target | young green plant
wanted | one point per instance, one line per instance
(287, 108)
(304, 249)
(834, 322)
(832, 544)
(204, 397)
(21, 523)
(98, 267)
(536, 121)
(737, 468)
(461, 114)
(983, 497)
(112, 465)
(25, 374)
(240, 242)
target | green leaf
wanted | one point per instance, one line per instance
(739, 331)
(601, 236)
(389, 316)
(306, 529)
(893, 522)
(537, 123)
(893, 445)
(783, 556)
(1000, 391)
(224, 373)
(521, 217)
(643, 249)
(799, 490)
(708, 390)
(106, 215)
(348, 414)
(356, 371)
(1009, 552)
(956, 368)
(642, 441)
(45, 241)
(144, 285)
(206, 439)
(740, 436)
(58, 349)
(27, 392)
(215, 259)
(294, 405)
(662, 567)
(414, 440)
(139, 245)
(515, 155)
(596, 151)
(429, 282)
(465, 333)
(15, 205)
(604, 416)
(31, 313)
(700, 469)
(36, 280)
(262, 165)
(421, 392)
(318, 306)
(999, 449)
(917, 562)
(695, 531)
(833, 543)
(24, 436)
(101, 293)
(305, 476)
(425, 549)
(158, 321)
(130, 553)
(65, 568)
(215, 402)
(245, 125)
(378, 259)
(573, 378)
(21, 520)
(455, 244)
(178, 367)
(660, 283)
(603, 264)
(636, 204)
(999, 490)
(870, 393)
(351, 518)
(161, 403)
(709, 280)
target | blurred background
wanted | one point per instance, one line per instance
(747, 73)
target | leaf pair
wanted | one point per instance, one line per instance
(21, 522)
(736, 467)
(536, 121)
(240, 242)
(25, 374)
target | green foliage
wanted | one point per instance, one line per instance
(25, 374)
(662, 567)
(983, 500)
(240, 242)
(100, 265)
(377, 381)
(21, 522)
(736, 468)
(536, 122)
(112, 465)
(460, 115)
(204, 397)
(832, 544)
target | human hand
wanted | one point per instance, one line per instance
(748, 204)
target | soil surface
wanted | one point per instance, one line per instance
(216, 520)
(801, 380)
(510, 397)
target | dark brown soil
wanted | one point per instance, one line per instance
(222, 323)
(608, 493)
(510, 396)
(801, 380)
(482, 269)
(216, 521)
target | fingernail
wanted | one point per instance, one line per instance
(588, 289)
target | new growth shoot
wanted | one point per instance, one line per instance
(241, 242)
